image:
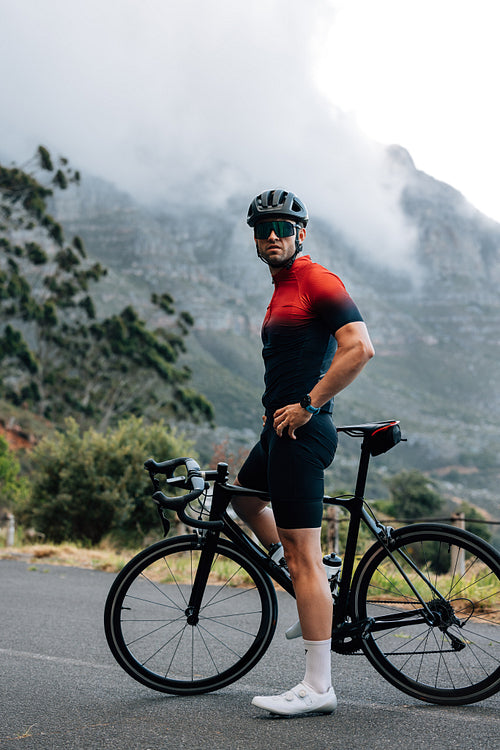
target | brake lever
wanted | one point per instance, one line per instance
(177, 482)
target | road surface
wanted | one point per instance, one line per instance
(60, 687)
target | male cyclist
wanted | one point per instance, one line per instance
(314, 344)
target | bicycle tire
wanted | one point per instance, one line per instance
(457, 660)
(146, 623)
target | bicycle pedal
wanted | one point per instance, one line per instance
(367, 628)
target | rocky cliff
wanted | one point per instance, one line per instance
(435, 322)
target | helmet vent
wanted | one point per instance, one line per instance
(278, 198)
(277, 204)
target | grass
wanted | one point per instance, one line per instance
(480, 589)
(111, 561)
(26, 733)
(69, 554)
(478, 586)
(180, 568)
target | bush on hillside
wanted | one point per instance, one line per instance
(475, 521)
(14, 489)
(88, 485)
(413, 496)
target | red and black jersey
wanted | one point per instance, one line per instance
(308, 307)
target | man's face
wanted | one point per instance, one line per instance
(277, 251)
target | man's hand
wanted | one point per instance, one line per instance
(290, 418)
(354, 349)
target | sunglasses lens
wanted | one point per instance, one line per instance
(280, 229)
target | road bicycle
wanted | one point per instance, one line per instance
(193, 613)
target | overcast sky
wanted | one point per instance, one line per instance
(423, 73)
(248, 95)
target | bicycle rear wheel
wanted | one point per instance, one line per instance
(455, 659)
(147, 621)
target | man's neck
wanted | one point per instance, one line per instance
(274, 271)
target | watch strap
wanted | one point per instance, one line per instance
(312, 409)
(305, 403)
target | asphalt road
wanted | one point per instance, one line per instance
(60, 687)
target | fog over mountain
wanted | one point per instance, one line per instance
(177, 116)
(188, 103)
(435, 329)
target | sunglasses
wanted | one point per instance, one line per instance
(280, 229)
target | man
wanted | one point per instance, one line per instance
(314, 344)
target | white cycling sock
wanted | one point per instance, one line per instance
(318, 665)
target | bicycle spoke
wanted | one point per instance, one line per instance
(149, 632)
(229, 595)
(454, 655)
(143, 599)
(169, 645)
(220, 621)
(163, 645)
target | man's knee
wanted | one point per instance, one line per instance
(302, 548)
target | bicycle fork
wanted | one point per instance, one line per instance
(208, 550)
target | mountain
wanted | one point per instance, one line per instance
(434, 324)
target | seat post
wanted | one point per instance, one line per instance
(359, 492)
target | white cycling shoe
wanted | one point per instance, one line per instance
(298, 700)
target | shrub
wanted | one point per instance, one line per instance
(88, 485)
(413, 495)
(475, 522)
(14, 490)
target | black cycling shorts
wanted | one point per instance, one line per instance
(292, 471)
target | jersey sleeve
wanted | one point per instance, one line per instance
(330, 299)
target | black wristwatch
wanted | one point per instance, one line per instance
(305, 403)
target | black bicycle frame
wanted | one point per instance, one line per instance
(221, 498)
(354, 504)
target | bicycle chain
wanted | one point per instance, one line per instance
(347, 646)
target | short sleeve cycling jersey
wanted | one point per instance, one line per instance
(308, 306)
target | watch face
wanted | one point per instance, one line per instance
(305, 401)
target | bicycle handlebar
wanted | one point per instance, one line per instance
(195, 482)
(378, 437)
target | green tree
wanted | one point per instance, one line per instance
(116, 367)
(475, 521)
(88, 485)
(14, 489)
(413, 496)
(56, 356)
(42, 279)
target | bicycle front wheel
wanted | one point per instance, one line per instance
(442, 646)
(152, 636)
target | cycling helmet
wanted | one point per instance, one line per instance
(277, 204)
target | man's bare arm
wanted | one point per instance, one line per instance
(354, 350)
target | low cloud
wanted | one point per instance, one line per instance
(195, 100)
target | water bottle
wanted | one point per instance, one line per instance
(332, 564)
